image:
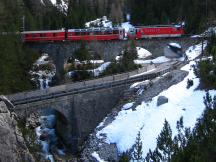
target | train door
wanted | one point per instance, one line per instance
(132, 33)
(121, 33)
(66, 34)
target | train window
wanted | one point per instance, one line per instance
(115, 31)
(77, 33)
(98, 33)
(109, 32)
(83, 33)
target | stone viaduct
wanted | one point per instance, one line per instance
(108, 50)
(81, 106)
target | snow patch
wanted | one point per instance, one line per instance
(137, 84)
(127, 106)
(175, 45)
(195, 51)
(62, 5)
(126, 26)
(100, 69)
(142, 53)
(99, 22)
(161, 59)
(97, 157)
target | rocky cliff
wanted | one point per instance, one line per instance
(12, 144)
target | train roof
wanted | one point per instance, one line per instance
(152, 26)
(94, 29)
(42, 31)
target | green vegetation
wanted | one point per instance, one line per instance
(189, 83)
(143, 12)
(82, 53)
(126, 63)
(189, 146)
(80, 68)
(206, 69)
(125, 157)
(15, 63)
(137, 152)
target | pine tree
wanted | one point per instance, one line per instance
(165, 143)
(124, 157)
(129, 55)
(137, 152)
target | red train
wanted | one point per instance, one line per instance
(103, 34)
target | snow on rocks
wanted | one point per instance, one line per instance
(43, 71)
(127, 106)
(126, 26)
(175, 45)
(142, 53)
(139, 84)
(96, 72)
(97, 157)
(99, 22)
(62, 5)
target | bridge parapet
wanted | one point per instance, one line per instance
(90, 85)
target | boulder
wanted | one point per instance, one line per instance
(162, 100)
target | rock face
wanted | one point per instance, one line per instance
(162, 100)
(12, 144)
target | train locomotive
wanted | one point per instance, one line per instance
(103, 34)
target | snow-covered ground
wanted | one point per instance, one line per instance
(193, 50)
(157, 60)
(62, 5)
(149, 118)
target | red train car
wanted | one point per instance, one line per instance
(43, 36)
(98, 34)
(103, 34)
(156, 31)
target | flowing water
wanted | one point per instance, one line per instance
(47, 137)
